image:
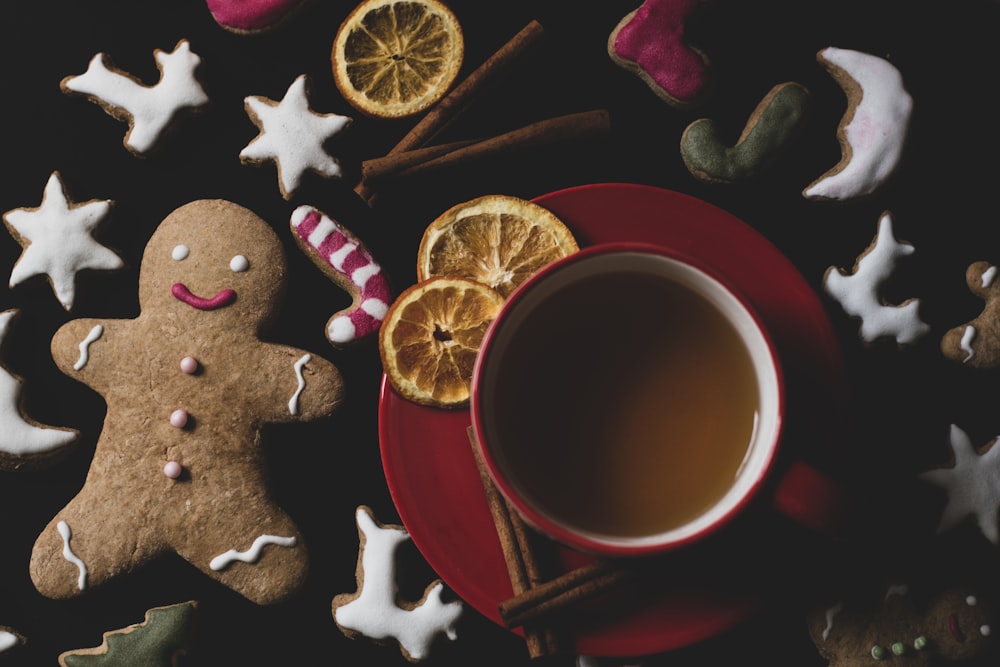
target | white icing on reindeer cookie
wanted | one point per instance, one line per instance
(373, 612)
(58, 240)
(21, 437)
(858, 291)
(972, 485)
(149, 110)
(872, 132)
(293, 136)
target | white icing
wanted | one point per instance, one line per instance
(293, 402)
(877, 130)
(897, 589)
(985, 630)
(180, 252)
(94, 334)
(971, 600)
(341, 329)
(966, 343)
(68, 554)
(374, 613)
(8, 640)
(989, 275)
(19, 437)
(972, 485)
(239, 264)
(361, 275)
(293, 136)
(251, 555)
(375, 307)
(857, 293)
(830, 614)
(150, 108)
(338, 257)
(60, 240)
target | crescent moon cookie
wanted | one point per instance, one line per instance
(650, 42)
(149, 110)
(189, 384)
(857, 291)
(247, 17)
(24, 443)
(872, 132)
(771, 127)
(977, 343)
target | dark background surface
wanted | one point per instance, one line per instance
(902, 402)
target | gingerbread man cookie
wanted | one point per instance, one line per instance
(188, 384)
(907, 625)
(977, 343)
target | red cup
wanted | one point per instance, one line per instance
(629, 400)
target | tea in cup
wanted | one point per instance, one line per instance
(628, 400)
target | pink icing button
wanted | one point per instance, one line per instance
(189, 365)
(179, 418)
(172, 469)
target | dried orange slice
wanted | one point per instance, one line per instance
(431, 335)
(498, 240)
(395, 58)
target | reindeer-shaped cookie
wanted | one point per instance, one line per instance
(189, 383)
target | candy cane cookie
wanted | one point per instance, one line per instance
(769, 130)
(346, 261)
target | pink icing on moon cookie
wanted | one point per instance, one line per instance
(650, 42)
(248, 16)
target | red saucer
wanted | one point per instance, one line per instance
(428, 460)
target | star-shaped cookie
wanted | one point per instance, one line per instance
(58, 240)
(293, 136)
(972, 485)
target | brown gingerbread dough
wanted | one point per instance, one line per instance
(188, 385)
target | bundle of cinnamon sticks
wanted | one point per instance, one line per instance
(414, 154)
(536, 599)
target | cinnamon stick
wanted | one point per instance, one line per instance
(450, 107)
(535, 135)
(521, 565)
(537, 602)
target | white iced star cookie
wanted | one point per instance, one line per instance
(149, 110)
(293, 136)
(972, 485)
(24, 442)
(58, 240)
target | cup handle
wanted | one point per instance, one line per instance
(811, 498)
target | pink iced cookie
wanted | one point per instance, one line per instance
(250, 16)
(649, 42)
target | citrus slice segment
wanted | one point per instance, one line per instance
(431, 336)
(499, 240)
(395, 58)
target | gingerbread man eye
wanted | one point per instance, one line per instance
(985, 630)
(180, 252)
(239, 264)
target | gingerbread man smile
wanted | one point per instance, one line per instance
(222, 299)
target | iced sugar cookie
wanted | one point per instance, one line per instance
(59, 241)
(189, 383)
(977, 343)
(159, 641)
(777, 119)
(252, 16)
(24, 442)
(872, 132)
(149, 110)
(650, 42)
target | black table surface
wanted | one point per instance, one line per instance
(902, 400)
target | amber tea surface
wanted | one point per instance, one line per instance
(626, 405)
